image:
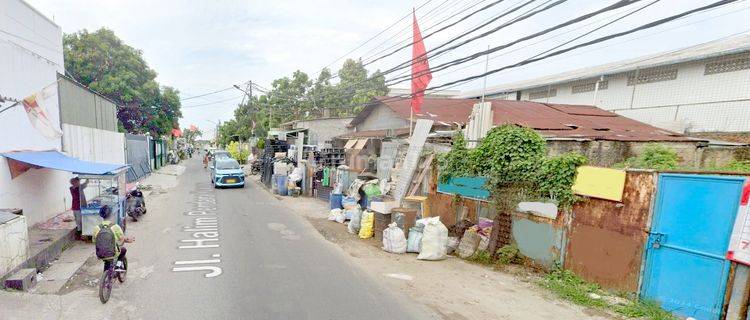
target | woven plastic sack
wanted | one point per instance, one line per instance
(484, 243)
(469, 243)
(355, 222)
(452, 244)
(414, 243)
(336, 215)
(393, 239)
(365, 230)
(434, 240)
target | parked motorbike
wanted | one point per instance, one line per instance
(135, 205)
(255, 167)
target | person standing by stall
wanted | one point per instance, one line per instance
(79, 199)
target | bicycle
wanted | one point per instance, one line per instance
(105, 284)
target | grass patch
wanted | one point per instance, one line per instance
(481, 257)
(509, 254)
(644, 310)
(571, 287)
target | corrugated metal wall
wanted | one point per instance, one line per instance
(137, 156)
(606, 238)
(93, 144)
(81, 107)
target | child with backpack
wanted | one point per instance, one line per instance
(108, 240)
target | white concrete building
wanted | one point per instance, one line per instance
(31, 55)
(703, 88)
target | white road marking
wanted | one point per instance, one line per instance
(203, 231)
(197, 261)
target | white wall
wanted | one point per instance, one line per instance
(694, 101)
(30, 58)
(381, 118)
(14, 237)
(93, 144)
(322, 130)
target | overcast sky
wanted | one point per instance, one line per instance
(203, 46)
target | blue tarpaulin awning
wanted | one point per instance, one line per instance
(58, 161)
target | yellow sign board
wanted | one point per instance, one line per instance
(603, 183)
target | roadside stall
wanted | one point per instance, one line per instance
(104, 198)
(105, 184)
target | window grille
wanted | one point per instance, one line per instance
(731, 63)
(541, 94)
(588, 86)
(650, 75)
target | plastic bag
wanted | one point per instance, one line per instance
(355, 222)
(296, 175)
(333, 213)
(365, 230)
(452, 244)
(393, 239)
(336, 215)
(484, 243)
(414, 243)
(371, 190)
(469, 243)
(349, 203)
(434, 240)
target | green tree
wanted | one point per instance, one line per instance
(299, 97)
(101, 61)
(356, 88)
(191, 135)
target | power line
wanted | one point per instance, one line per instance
(617, 5)
(600, 47)
(426, 15)
(528, 14)
(405, 30)
(373, 37)
(210, 103)
(506, 12)
(452, 84)
(207, 94)
(592, 42)
(523, 16)
(436, 31)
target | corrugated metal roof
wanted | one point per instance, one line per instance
(720, 47)
(374, 133)
(550, 120)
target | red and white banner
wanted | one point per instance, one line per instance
(739, 243)
(34, 106)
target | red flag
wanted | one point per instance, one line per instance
(420, 69)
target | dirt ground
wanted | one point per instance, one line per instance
(454, 288)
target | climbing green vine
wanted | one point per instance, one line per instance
(514, 162)
(557, 177)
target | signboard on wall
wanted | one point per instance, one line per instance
(739, 243)
(603, 183)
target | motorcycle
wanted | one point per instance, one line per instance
(135, 205)
(255, 167)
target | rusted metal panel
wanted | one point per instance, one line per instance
(606, 238)
(539, 240)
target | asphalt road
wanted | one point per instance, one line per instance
(265, 263)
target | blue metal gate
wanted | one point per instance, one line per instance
(686, 270)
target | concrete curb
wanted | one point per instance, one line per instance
(41, 252)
